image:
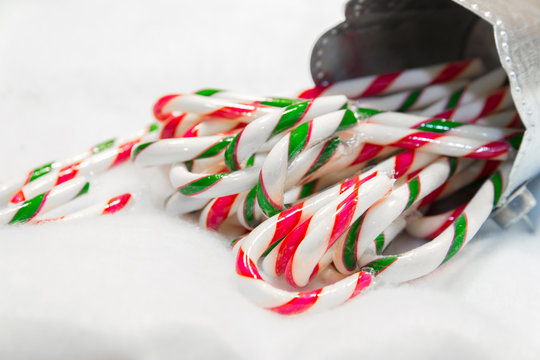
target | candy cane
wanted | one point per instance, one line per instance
(476, 90)
(177, 204)
(426, 258)
(429, 227)
(412, 100)
(303, 248)
(488, 133)
(29, 209)
(398, 81)
(270, 187)
(168, 151)
(247, 98)
(98, 158)
(355, 241)
(111, 206)
(437, 143)
(494, 102)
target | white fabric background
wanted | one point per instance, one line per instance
(143, 285)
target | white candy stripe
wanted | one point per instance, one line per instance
(178, 204)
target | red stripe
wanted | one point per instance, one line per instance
(449, 220)
(232, 112)
(516, 121)
(219, 211)
(363, 281)
(368, 152)
(489, 168)
(169, 129)
(446, 115)
(287, 220)
(18, 197)
(344, 215)
(68, 173)
(312, 93)
(403, 163)
(416, 140)
(432, 196)
(116, 203)
(246, 267)
(492, 103)
(289, 245)
(302, 302)
(160, 104)
(491, 150)
(380, 84)
(348, 184)
(124, 152)
(451, 71)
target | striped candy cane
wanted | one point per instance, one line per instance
(29, 209)
(111, 206)
(237, 97)
(437, 143)
(98, 158)
(270, 187)
(426, 258)
(258, 132)
(353, 243)
(475, 90)
(471, 112)
(412, 100)
(300, 252)
(488, 133)
(403, 80)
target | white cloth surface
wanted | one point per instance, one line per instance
(144, 285)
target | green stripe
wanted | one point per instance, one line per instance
(271, 247)
(236, 240)
(229, 154)
(414, 189)
(216, 148)
(264, 203)
(349, 120)
(153, 127)
(290, 117)
(438, 126)
(278, 102)
(102, 146)
(307, 189)
(84, 190)
(454, 99)
(249, 206)
(379, 242)
(207, 92)
(250, 161)
(452, 161)
(137, 149)
(40, 171)
(298, 140)
(349, 257)
(28, 209)
(380, 264)
(201, 184)
(328, 151)
(189, 165)
(515, 141)
(363, 114)
(410, 100)
(496, 179)
(460, 230)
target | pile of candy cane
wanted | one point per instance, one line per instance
(321, 182)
